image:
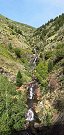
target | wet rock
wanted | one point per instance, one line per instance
(36, 125)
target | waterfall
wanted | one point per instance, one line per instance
(35, 59)
(31, 93)
(30, 115)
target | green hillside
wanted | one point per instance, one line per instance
(14, 39)
(17, 49)
(49, 43)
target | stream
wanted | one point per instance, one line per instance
(31, 116)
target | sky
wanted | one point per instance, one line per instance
(31, 12)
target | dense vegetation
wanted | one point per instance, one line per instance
(12, 107)
(17, 44)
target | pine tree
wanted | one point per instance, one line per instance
(19, 79)
(18, 52)
(50, 65)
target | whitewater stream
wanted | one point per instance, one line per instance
(31, 94)
(30, 113)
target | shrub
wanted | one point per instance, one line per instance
(41, 55)
(48, 118)
(12, 107)
(18, 31)
(10, 46)
(48, 54)
(50, 65)
(18, 52)
(19, 79)
(41, 73)
(11, 26)
(59, 53)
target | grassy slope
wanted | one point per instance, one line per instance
(49, 42)
(46, 39)
(15, 34)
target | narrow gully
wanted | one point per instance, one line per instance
(31, 114)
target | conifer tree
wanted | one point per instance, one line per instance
(50, 65)
(19, 79)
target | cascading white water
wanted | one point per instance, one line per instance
(35, 50)
(30, 115)
(35, 59)
(31, 93)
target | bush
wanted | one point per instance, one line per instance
(42, 73)
(10, 46)
(50, 65)
(18, 31)
(19, 79)
(48, 54)
(12, 107)
(48, 118)
(58, 22)
(59, 53)
(18, 52)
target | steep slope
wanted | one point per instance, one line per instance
(19, 44)
(14, 32)
(49, 33)
(14, 38)
(49, 43)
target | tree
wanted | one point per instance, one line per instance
(19, 79)
(18, 52)
(50, 65)
(10, 46)
(12, 115)
(42, 73)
